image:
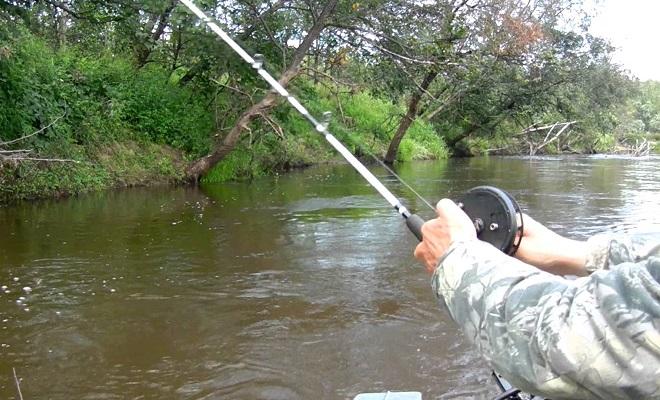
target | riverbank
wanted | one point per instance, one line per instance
(129, 164)
(105, 122)
(134, 164)
(121, 164)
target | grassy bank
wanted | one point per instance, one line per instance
(119, 164)
(119, 125)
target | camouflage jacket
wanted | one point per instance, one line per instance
(596, 337)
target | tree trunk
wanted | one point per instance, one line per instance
(204, 164)
(61, 28)
(158, 26)
(408, 119)
(451, 143)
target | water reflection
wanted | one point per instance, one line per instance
(294, 287)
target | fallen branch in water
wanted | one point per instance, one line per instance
(536, 143)
(18, 384)
(638, 149)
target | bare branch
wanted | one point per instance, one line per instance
(399, 56)
(412, 79)
(547, 142)
(15, 151)
(535, 146)
(21, 154)
(279, 132)
(261, 17)
(234, 89)
(534, 128)
(63, 160)
(330, 77)
(34, 133)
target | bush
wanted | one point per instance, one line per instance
(372, 117)
(422, 143)
(28, 76)
(362, 123)
(160, 111)
(115, 119)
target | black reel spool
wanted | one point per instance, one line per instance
(496, 216)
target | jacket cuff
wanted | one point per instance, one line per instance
(598, 253)
(439, 274)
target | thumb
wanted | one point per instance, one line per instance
(450, 211)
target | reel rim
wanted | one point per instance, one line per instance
(478, 204)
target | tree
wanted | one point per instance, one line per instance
(204, 164)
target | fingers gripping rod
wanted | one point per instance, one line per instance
(413, 221)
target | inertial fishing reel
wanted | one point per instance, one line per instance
(496, 216)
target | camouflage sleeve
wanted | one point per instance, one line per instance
(607, 250)
(595, 337)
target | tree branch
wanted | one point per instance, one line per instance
(20, 154)
(34, 133)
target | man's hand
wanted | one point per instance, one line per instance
(451, 225)
(539, 247)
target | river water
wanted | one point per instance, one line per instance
(300, 286)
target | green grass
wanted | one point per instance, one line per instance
(116, 165)
(362, 122)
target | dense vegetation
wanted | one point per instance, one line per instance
(108, 93)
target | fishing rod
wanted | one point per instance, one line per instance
(496, 215)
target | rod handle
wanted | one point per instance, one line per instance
(414, 223)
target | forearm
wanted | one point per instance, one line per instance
(551, 252)
(559, 256)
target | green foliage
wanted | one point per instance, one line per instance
(143, 88)
(422, 143)
(163, 112)
(373, 116)
(30, 181)
(637, 120)
(105, 105)
(477, 146)
(115, 164)
(102, 97)
(362, 122)
(130, 163)
(28, 75)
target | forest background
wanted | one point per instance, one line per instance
(97, 94)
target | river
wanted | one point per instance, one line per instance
(298, 286)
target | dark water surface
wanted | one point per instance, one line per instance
(301, 286)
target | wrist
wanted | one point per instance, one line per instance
(570, 258)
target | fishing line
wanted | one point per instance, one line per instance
(398, 178)
(419, 196)
(326, 116)
(496, 216)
